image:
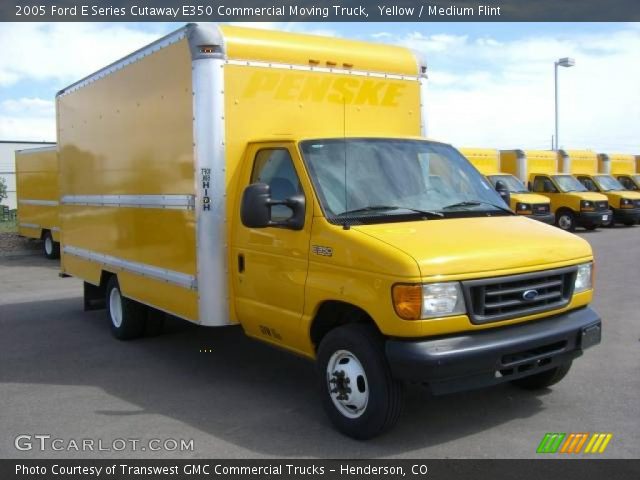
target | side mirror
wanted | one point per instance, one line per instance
(255, 209)
(503, 191)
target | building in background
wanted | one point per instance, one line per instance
(8, 166)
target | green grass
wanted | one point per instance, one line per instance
(8, 227)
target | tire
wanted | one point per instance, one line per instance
(126, 317)
(50, 248)
(629, 223)
(543, 379)
(376, 404)
(566, 220)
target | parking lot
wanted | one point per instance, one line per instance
(62, 374)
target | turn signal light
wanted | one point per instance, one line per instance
(407, 301)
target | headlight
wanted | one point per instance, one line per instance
(626, 203)
(586, 205)
(413, 302)
(522, 207)
(583, 278)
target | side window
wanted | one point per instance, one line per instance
(588, 183)
(627, 183)
(543, 185)
(274, 167)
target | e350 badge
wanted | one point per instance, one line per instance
(323, 251)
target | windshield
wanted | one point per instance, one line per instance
(513, 184)
(568, 183)
(608, 183)
(636, 178)
(366, 177)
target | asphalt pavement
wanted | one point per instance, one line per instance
(63, 376)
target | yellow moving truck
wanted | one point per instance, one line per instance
(37, 195)
(622, 167)
(521, 200)
(281, 182)
(571, 203)
(583, 165)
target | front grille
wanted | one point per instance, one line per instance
(602, 205)
(540, 208)
(503, 298)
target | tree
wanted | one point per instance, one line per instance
(3, 189)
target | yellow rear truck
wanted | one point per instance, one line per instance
(519, 198)
(623, 167)
(282, 183)
(583, 165)
(37, 195)
(571, 203)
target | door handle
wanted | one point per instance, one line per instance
(240, 262)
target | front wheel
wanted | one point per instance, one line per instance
(566, 220)
(359, 394)
(544, 379)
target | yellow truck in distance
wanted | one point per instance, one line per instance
(215, 175)
(571, 203)
(37, 195)
(521, 200)
(583, 165)
(623, 167)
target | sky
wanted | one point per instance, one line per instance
(491, 85)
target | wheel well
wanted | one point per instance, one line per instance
(43, 232)
(333, 314)
(563, 210)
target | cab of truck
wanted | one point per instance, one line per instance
(571, 203)
(622, 167)
(584, 165)
(520, 199)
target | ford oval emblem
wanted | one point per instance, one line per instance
(530, 295)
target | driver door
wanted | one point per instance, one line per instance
(270, 264)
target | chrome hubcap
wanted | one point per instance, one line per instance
(347, 382)
(564, 222)
(115, 307)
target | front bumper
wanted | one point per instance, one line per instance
(588, 219)
(487, 357)
(548, 218)
(626, 215)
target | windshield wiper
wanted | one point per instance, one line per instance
(475, 203)
(376, 208)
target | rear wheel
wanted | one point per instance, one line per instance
(629, 223)
(566, 220)
(543, 379)
(127, 317)
(359, 394)
(50, 248)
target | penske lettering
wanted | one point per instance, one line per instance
(323, 88)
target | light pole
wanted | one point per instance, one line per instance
(563, 62)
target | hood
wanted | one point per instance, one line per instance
(592, 196)
(618, 194)
(463, 246)
(529, 198)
